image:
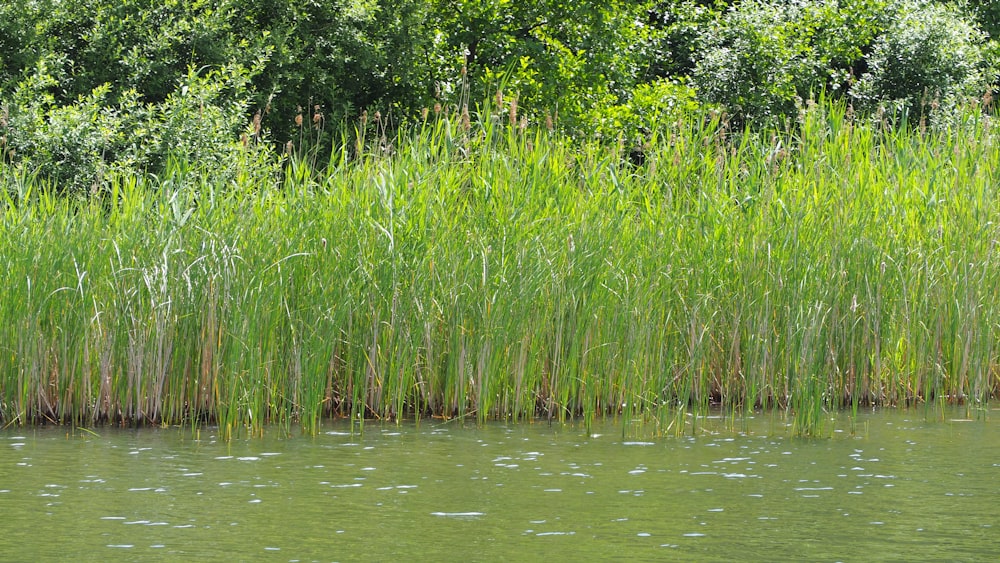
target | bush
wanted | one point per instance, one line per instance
(74, 145)
(678, 24)
(336, 59)
(653, 108)
(761, 57)
(553, 56)
(928, 52)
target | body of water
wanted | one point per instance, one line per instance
(905, 486)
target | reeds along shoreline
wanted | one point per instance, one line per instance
(512, 274)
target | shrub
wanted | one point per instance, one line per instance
(760, 57)
(928, 51)
(652, 108)
(678, 24)
(552, 55)
(74, 145)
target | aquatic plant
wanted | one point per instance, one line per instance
(483, 270)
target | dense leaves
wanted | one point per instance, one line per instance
(91, 85)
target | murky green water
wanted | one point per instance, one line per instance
(905, 489)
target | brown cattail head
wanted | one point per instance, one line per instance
(423, 114)
(466, 119)
(256, 124)
(498, 98)
(378, 117)
(465, 71)
(988, 98)
(289, 148)
(549, 125)
(364, 119)
(512, 113)
(298, 120)
(437, 108)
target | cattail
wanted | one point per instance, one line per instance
(988, 97)
(465, 71)
(256, 124)
(437, 108)
(289, 148)
(498, 98)
(364, 119)
(298, 120)
(378, 117)
(423, 114)
(549, 125)
(512, 114)
(244, 140)
(466, 119)
(523, 124)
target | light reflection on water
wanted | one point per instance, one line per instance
(904, 488)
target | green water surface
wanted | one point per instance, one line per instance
(906, 486)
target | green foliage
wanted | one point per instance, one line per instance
(67, 144)
(761, 57)
(678, 25)
(75, 145)
(336, 59)
(986, 14)
(555, 56)
(96, 86)
(653, 109)
(92, 85)
(140, 45)
(928, 53)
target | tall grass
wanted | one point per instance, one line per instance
(498, 272)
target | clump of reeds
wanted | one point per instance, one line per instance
(492, 270)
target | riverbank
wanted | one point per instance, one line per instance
(473, 270)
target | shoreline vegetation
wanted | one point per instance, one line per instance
(474, 268)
